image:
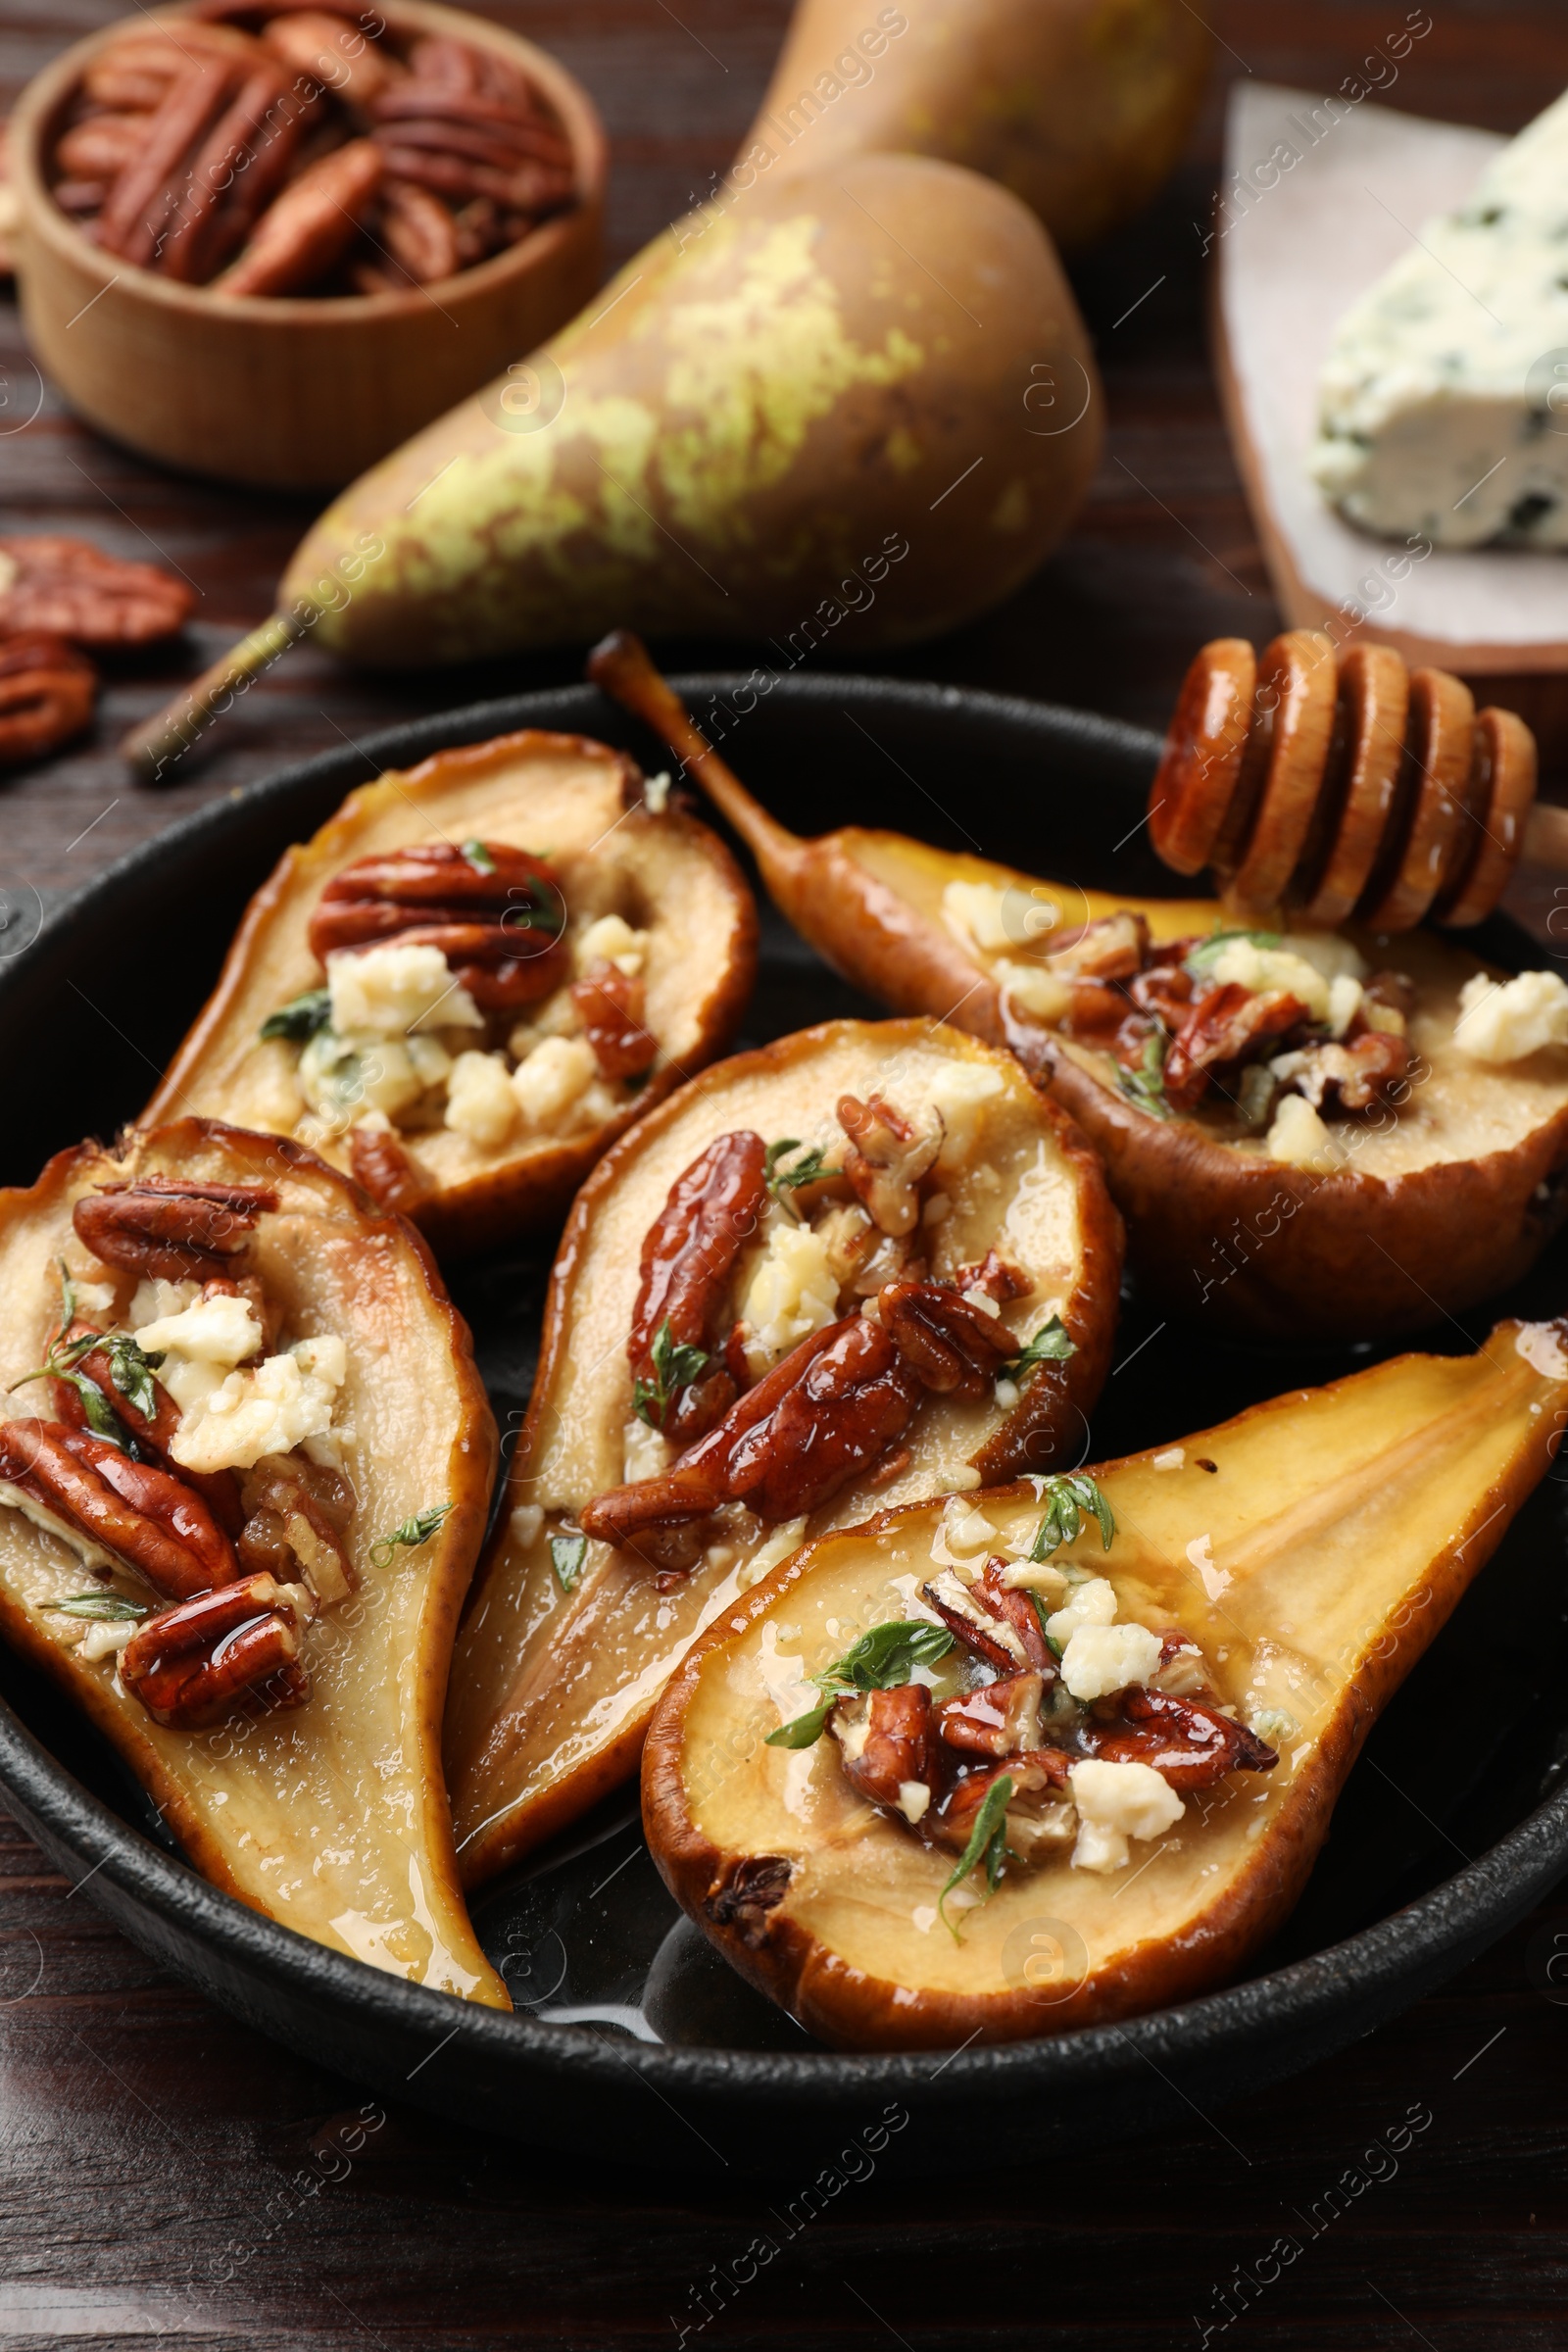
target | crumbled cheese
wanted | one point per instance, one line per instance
(793, 1293)
(958, 1093)
(1103, 1658)
(341, 1076)
(1435, 401)
(480, 1102)
(1387, 1017)
(1008, 1393)
(981, 1300)
(1036, 989)
(1298, 1138)
(1344, 1002)
(93, 1299)
(105, 1638)
(611, 940)
(393, 989)
(785, 1539)
(925, 1917)
(913, 1799)
(1244, 963)
(1115, 1802)
(527, 1525)
(200, 1345)
(1327, 952)
(1503, 1021)
(151, 1301)
(964, 1528)
(553, 1077)
(270, 1409)
(1540, 1345)
(656, 793)
(1038, 1576)
(645, 1452)
(853, 1732)
(1092, 1603)
(973, 913)
(1174, 1457)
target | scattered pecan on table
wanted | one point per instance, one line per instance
(56, 596)
(273, 150)
(47, 690)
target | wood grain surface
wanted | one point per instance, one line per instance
(163, 2171)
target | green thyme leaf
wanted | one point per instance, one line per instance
(1146, 1086)
(880, 1660)
(805, 1171)
(132, 1369)
(102, 1418)
(534, 906)
(675, 1366)
(1203, 957)
(302, 1019)
(67, 1299)
(567, 1555)
(56, 1364)
(1050, 1345)
(411, 1534)
(1068, 1502)
(987, 1838)
(110, 1608)
(478, 857)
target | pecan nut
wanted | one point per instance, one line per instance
(689, 1252)
(896, 1747)
(190, 1665)
(168, 1230)
(1193, 1745)
(47, 691)
(418, 231)
(68, 588)
(887, 1158)
(820, 1417)
(296, 1514)
(499, 923)
(311, 225)
(1039, 1772)
(956, 1349)
(611, 1005)
(1226, 1023)
(382, 1165)
(998, 1719)
(152, 1521)
(153, 1432)
(143, 197)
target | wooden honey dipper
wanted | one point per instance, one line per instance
(1354, 787)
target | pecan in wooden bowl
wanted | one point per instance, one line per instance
(268, 242)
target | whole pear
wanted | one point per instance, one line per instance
(1079, 105)
(863, 390)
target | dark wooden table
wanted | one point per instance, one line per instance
(163, 2171)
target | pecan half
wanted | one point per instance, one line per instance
(989, 1629)
(1193, 1745)
(1040, 1772)
(1224, 1024)
(499, 925)
(997, 1276)
(996, 1720)
(47, 690)
(296, 1514)
(714, 1208)
(154, 1432)
(382, 1165)
(311, 225)
(810, 1424)
(418, 231)
(609, 1004)
(1111, 948)
(143, 197)
(190, 1665)
(150, 1520)
(1353, 1074)
(886, 1161)
(895, 1745)
(334, 54)
(172, 1231)
(237, 170)
(956, 1349)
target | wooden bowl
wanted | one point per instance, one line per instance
(279, 391)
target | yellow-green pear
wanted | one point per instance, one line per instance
(860, 392)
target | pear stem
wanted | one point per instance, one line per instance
(621, 666)
(158, 742)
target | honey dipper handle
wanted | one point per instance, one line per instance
(622, 667)
(1546, 841)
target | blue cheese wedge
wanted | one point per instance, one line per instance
(1442, 405)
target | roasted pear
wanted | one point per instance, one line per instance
(243, 1481)
(1283, 1175)
(474, 978)
(1080, 107)
(1009, 1764)
(868, 1260)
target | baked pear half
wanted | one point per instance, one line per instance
(1012, 1763)
(866, 1263)
(474, 978)
(1309, 1133)
(244, 1468)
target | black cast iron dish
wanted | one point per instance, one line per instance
(630, 2034)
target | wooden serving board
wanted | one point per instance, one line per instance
(1294, 242)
